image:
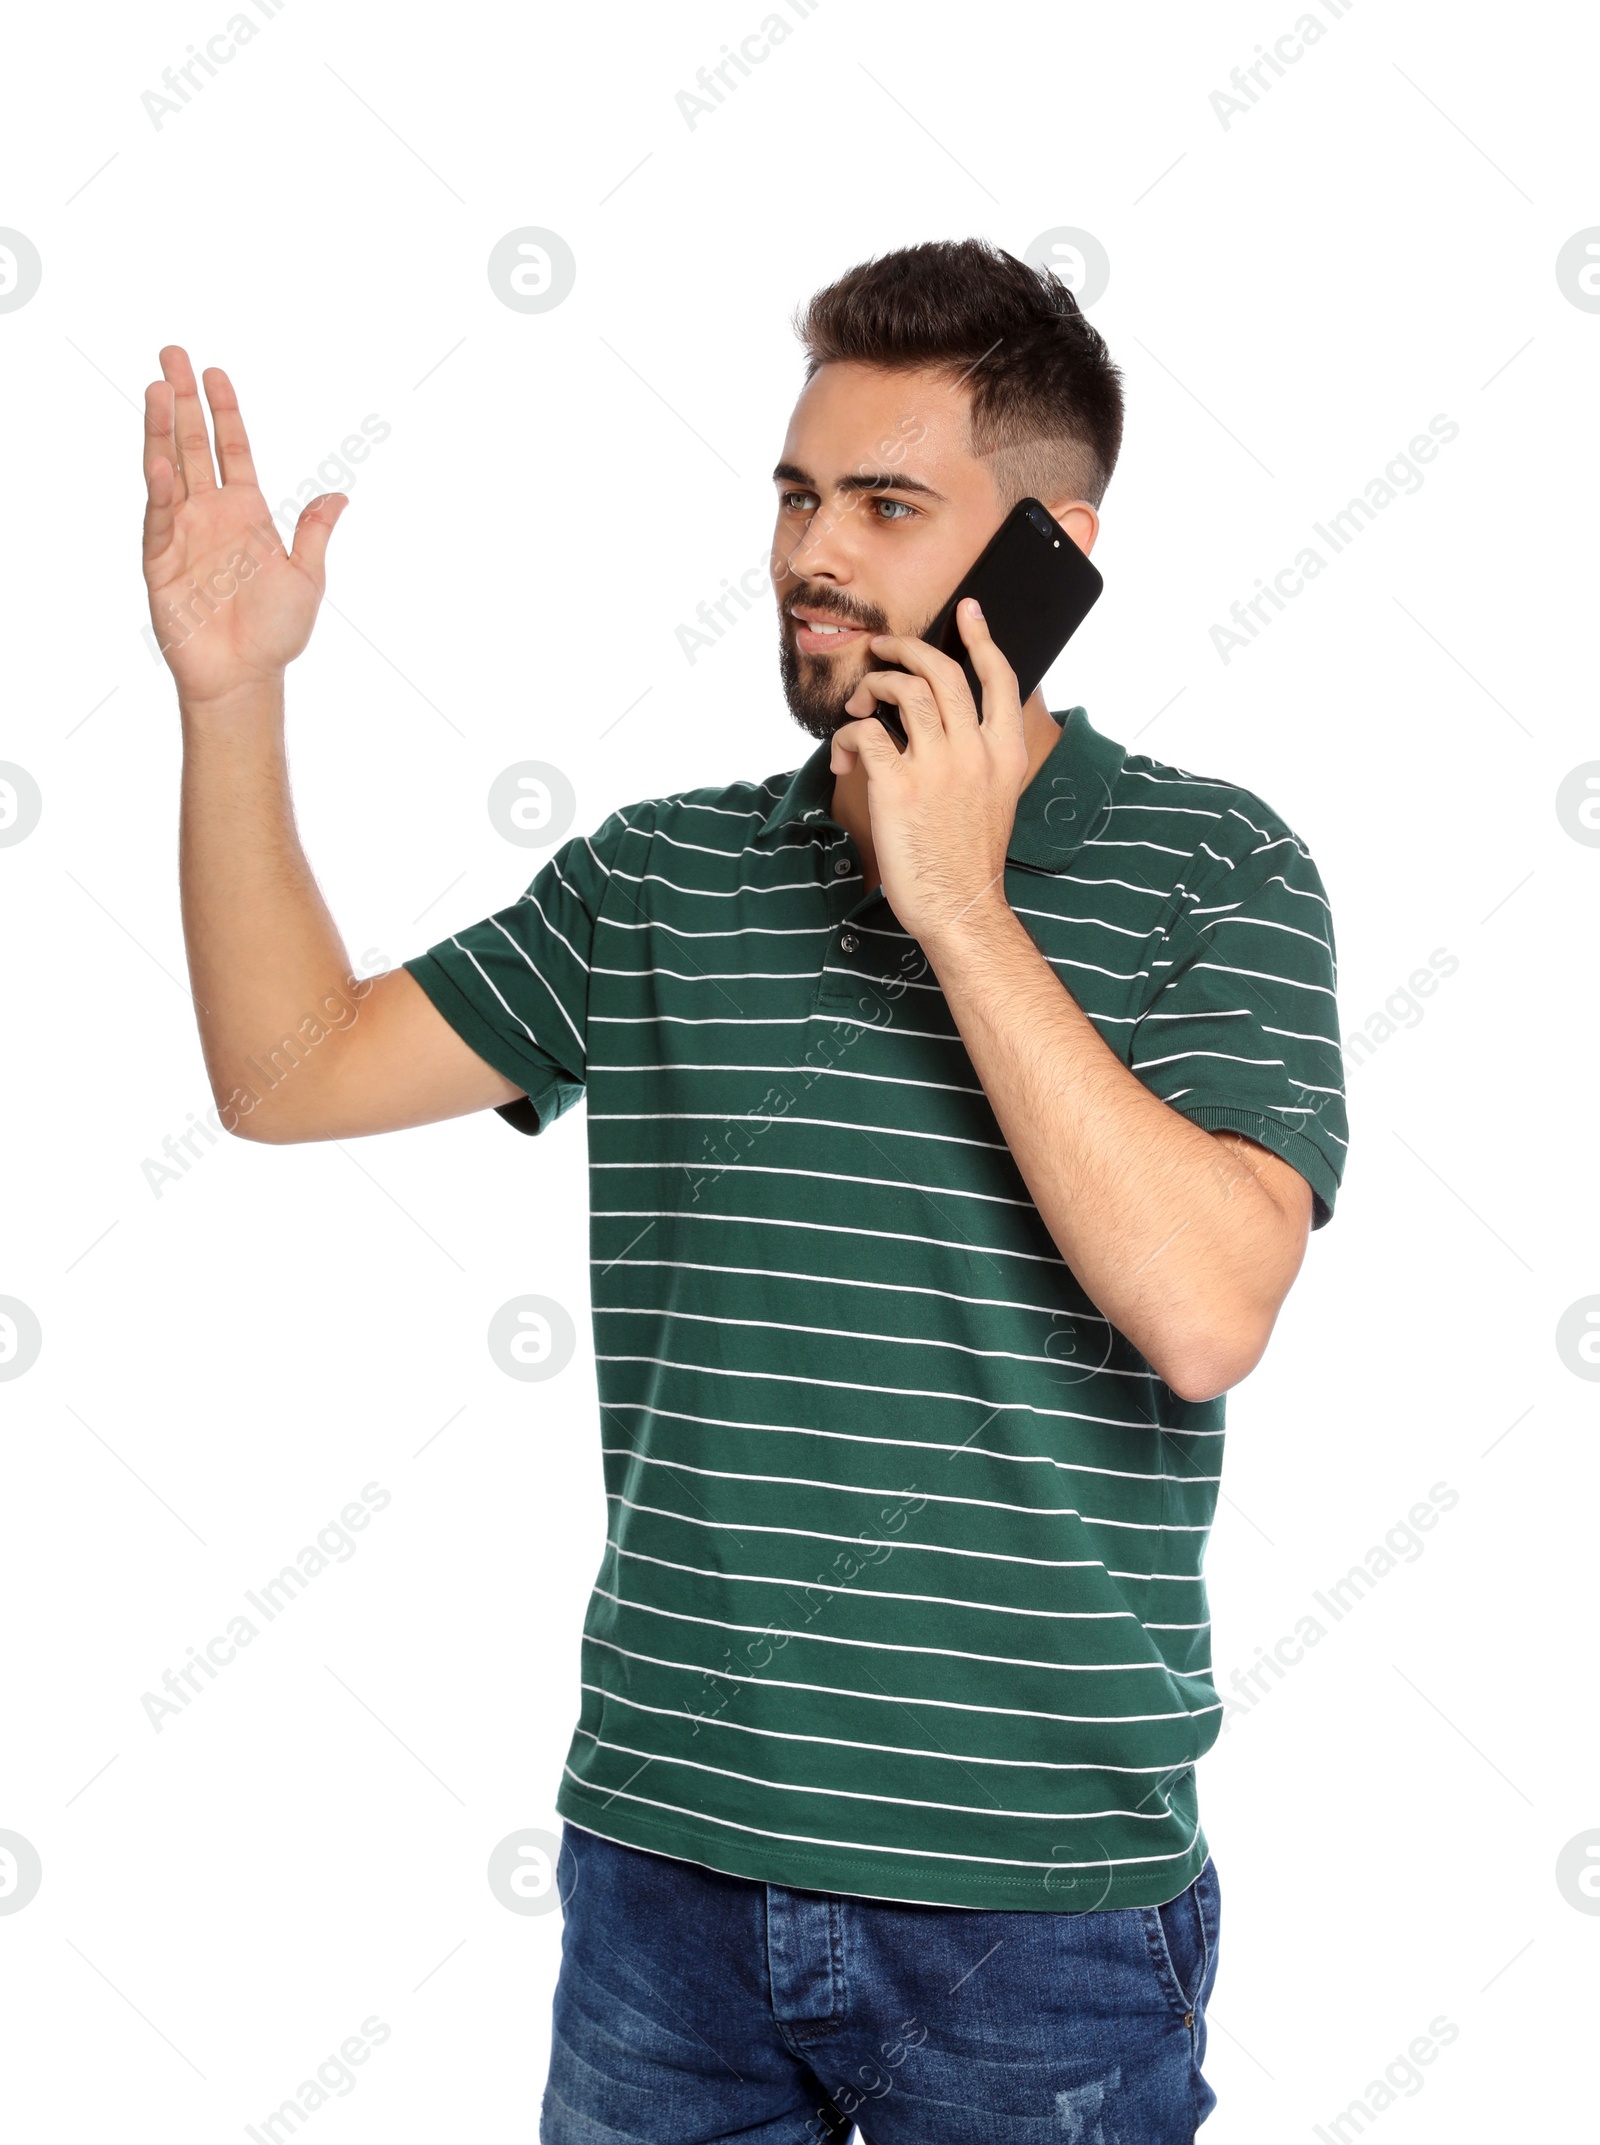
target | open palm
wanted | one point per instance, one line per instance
(231, 606)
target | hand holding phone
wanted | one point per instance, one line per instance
(1035, 588)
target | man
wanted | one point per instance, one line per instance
(957, 1117)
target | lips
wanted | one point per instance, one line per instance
(823, 633)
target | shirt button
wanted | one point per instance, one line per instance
(848, 942)
(840, 866)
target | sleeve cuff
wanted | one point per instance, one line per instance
(1295, 1149)
(539, 1102)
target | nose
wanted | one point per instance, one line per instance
(823, 552)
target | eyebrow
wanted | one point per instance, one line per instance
(883, 481)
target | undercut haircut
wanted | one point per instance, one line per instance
(1046, 400)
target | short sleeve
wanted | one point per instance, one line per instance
(1242, 1029)
(516, 985)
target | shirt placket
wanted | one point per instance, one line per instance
(845, 961)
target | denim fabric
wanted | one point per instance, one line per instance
(693, 2006)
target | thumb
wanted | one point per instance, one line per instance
(312, 530)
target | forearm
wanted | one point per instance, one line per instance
(269, 971)
(1170, 1236)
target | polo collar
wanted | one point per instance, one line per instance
(1062, 805)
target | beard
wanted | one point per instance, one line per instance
(817, 686)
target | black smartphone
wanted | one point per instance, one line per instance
(1035, 587)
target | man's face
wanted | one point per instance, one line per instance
(882, 507)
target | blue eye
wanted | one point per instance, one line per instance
(899, 506)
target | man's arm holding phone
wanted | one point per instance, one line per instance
(231, 609)
(1187, 1240)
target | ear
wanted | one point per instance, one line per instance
(1079, 519)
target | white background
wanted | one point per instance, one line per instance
(1292, 297)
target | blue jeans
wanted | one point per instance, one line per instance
(693, 2006)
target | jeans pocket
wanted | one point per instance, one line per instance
(1181, 1937)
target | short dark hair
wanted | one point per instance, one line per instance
(1046, 398)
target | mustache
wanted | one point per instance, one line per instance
(843, 608)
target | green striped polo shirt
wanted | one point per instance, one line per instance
(902, 1591)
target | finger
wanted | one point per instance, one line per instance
(312, 530)
(1002, 704)
(867, 738)
(194, 442)
(945, 679)
(233, 448)
(160, 506)
(160, 453)
(914, 697)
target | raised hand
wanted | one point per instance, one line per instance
(230, 605)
